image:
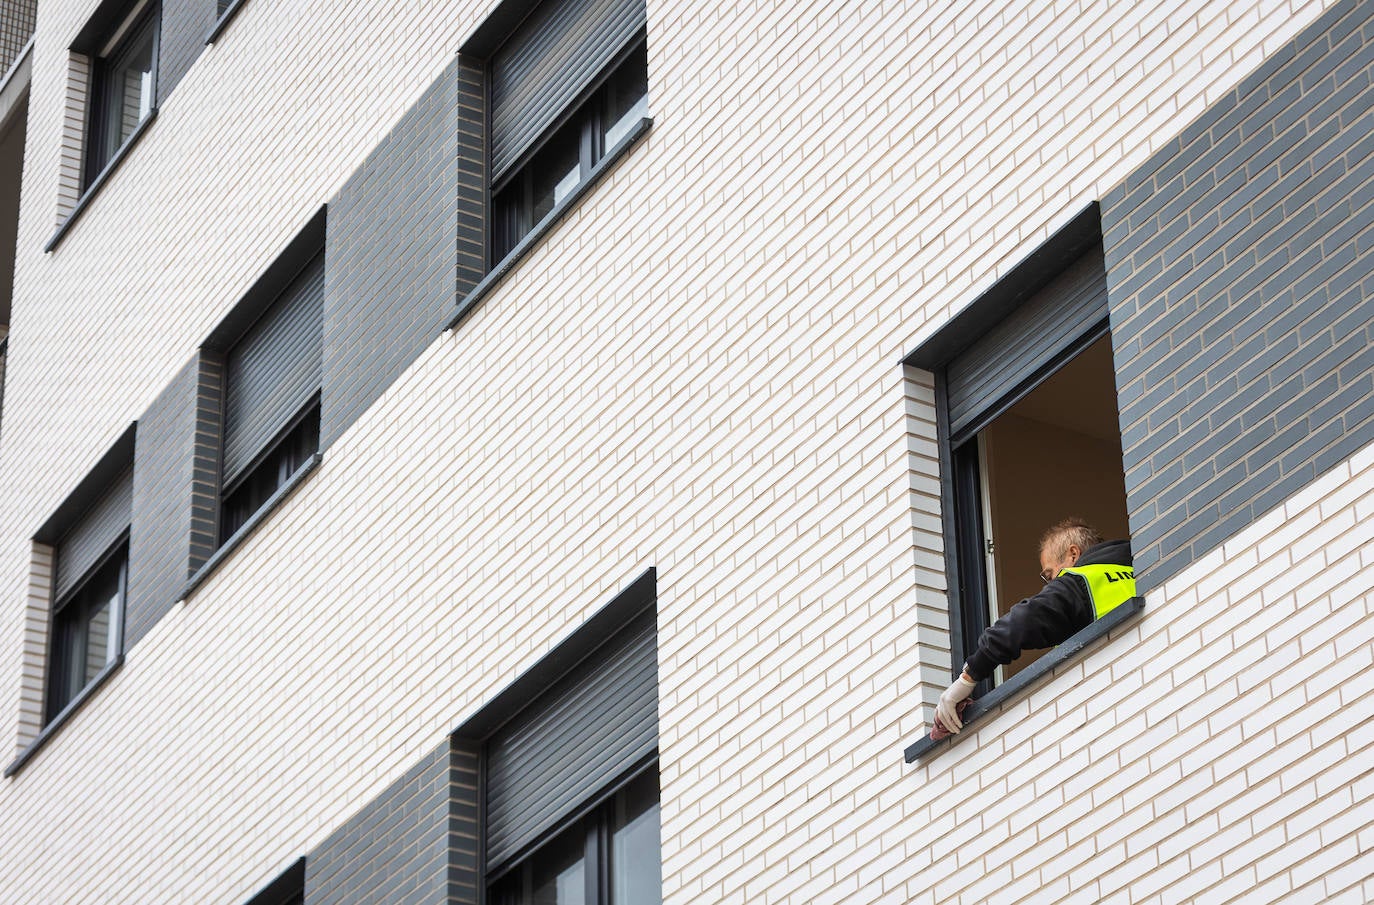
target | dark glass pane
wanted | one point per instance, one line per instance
(555, 171)
(529, 196)
(268, 476)
(86, 634)
(636, 856)
(123, 94)
(510, 216)
(627, 98)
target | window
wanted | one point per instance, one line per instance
(278, 465)
(89, 579)
(1027, 411)
(570, 779)
(568, 85)
(271, 400)
(565, 159)
(609, 857)
(85, 633)
(123, 76)
(1053, 453)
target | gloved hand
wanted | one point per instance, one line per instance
(947, 710)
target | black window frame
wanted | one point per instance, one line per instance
(596, 821)
(962, 499)
(56, 659)
(138, 24)
(276, 466)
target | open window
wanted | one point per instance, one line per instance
(1052, 453)
(1028, 428)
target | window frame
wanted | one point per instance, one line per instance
(131, 28)
(961, 525)
(53, 715)
(597, 818)
(273, 454)
(589, 113)
(961, 497)
(300, 253)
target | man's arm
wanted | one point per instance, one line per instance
(1047, 619)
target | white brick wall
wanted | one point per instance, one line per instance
(698, 370)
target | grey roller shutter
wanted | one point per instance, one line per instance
(274, 370)
(87, 542)
(572, 741)
(1049, 322)
(554, 56)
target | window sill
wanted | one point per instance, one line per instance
(991, 704)
(57, 722)
(551, 219)
(223, 22)
(99, 181)
(257, 518)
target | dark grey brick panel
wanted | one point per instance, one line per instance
(1240, 267)
(391, 258)
(162, 504)
(396, 850)
(176, 442)
(185, 23)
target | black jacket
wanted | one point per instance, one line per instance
(1048, 618)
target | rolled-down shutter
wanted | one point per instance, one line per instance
(572, 741)
(274, 370)
(92, 537)
(1048, 323)
(552, 58)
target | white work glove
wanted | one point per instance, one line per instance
(947, 709)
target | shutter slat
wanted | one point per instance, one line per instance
(572, 741)
(1048, 323)
(91, 538)
(274, 370)
(553, 57)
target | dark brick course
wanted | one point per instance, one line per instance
(391, 258)
(1239, 272)
(181, 40)
(159, 549)
(415, 844)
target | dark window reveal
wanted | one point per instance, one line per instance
(123, 77)
(566, 157)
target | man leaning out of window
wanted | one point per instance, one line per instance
(1085, 578)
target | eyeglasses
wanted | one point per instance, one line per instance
(1047, 575)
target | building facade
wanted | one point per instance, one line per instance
(559, 450)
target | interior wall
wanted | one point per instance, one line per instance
(1038, 474)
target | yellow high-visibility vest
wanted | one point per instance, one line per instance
(1110, 586)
